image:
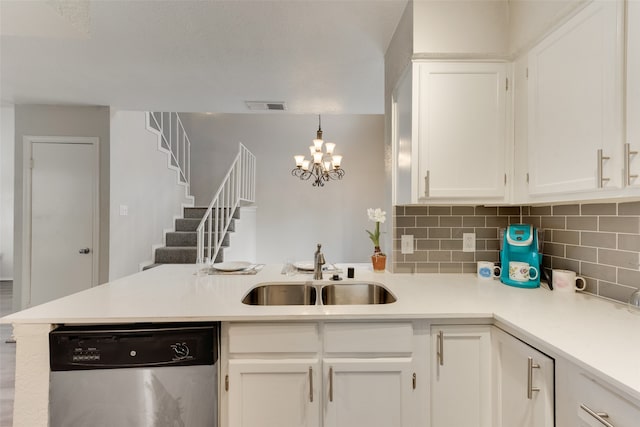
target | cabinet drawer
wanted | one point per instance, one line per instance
(378, 337)
(591, 396)
(274, 338)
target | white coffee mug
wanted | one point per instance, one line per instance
(567, 281)
(522, 272)
(487, 270)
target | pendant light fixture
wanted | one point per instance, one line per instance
(324, 164)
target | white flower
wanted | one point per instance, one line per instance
(376, 215)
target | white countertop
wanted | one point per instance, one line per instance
(600, 336)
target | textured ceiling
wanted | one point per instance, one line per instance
(318, 56)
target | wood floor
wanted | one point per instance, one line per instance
(7, 357)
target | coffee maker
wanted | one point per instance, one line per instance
(520, 244)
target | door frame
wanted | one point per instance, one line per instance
(28, 142)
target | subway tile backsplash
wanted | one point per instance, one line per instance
(600, 241)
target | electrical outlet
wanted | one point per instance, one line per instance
(124, 210)
(406, 244)
(468, 242)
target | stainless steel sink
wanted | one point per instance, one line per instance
(356, 293)
(281, 294)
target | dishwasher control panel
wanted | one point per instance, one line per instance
(82, 355)
(130, 346)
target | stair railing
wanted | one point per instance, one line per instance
(238, 187)
(174, 140)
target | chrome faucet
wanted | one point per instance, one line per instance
(318, 262)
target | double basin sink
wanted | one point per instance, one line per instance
(309, 293)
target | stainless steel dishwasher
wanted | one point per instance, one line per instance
(142, 375)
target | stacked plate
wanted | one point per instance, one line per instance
(232, 266)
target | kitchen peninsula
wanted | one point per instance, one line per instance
(586, 332)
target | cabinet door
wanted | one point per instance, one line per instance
(461, 376)
(590, 403)
(368, 392)
(632, 150)
(274, 393)
(524, 383)
(575, 103)
(461, 130)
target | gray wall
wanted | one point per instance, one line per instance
(150, 190)
(292, 216)
(44, 120)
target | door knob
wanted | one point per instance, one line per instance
(84, 251)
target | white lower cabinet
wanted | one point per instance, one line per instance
(281, 393)
(524, 381)
(368, 392)
(461, 376)
(584, 401)
(405, 374)
(320, 374)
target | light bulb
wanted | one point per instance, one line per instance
(336, 161)
(312, 149)
(305, 165)
(317, 157)
(299, 160)
(317, 143)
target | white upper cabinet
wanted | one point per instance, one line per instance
(632, 147)
(459, 132)
(575, 104)
(401, 136)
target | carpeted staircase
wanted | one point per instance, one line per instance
(181, 244)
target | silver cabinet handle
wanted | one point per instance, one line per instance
(330, 384)
(426, 185)
(310, 384)
(84, 251)
(601, 159)
(530, 388)
(627, 163)
(600, 416)
(440, 349)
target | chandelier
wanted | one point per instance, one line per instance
(323, 166)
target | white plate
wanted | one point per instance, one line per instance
(231, 265)
(304, 266)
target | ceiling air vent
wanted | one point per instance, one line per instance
(266, 105)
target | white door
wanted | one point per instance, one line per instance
(368, 392)
(575, 103)
(274, 393)
(461, 376)
(524, 383)
(632, 150)
(461, 130)
(63, 211)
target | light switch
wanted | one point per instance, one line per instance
(406, 244)
(124, 210)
